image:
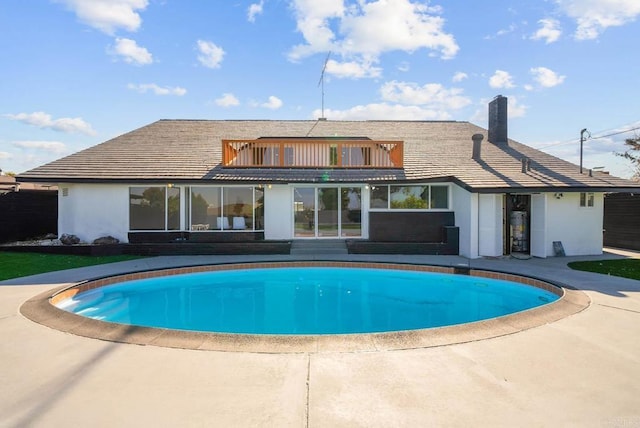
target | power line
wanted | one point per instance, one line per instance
(573, 141)
(615, 133)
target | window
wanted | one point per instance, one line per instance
(586, 199)
(410, 197)
(238, 207)
(206, 209)
(333, 155)
(439, 197)
(226, 208)
(379, 197)
(154, 208)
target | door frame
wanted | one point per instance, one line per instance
(339, 187)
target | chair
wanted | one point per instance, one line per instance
(222, 222)
(239, 223)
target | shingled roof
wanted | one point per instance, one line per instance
(189, 151)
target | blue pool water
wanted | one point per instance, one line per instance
(305, 300)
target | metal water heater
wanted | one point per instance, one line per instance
(519, 232)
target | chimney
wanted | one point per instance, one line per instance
(498, 120)
(477, 146)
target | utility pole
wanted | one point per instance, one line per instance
(582, 140)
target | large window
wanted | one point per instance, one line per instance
(416, 197)
(409, 197)
(204, 208)
(154, 208)
(226, 208)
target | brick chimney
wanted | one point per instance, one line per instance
(498, 120)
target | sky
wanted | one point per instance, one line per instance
(75, 73)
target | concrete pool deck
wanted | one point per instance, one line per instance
(582, 370)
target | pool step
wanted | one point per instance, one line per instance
(311, 247)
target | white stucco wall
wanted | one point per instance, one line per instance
(490, 231)
(578, 228)
(91, 211)
(465, 206)
(278, 212)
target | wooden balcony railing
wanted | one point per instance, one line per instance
(311, 153)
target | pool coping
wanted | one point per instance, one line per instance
(41, 309)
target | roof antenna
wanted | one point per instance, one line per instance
(321, 83)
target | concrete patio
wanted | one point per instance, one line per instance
(580, 371)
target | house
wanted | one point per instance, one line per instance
(8, 183)
(455, 185)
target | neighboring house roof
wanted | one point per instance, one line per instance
(9, 184)
(190, 151)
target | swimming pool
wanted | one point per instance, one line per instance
(309, 300)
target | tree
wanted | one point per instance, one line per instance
(632, 154)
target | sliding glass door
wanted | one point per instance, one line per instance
(327, 212)
(304, 212)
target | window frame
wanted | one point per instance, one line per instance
(165, 208)
(587, 199)
(185, 208)
(222, 190)
(429, 207)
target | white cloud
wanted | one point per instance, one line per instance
(433, 95)
(108, 15)
(158, 90)
(384, 111)
(5, 155)
(502, 32)
(546, 78)
(595, 16)
(352, 69)
(459, 76)
(129, 51)
(514, 108)
(312, 19)
(44, 121)
(274, 103)
(254, 9)
(210, 54)
(404, 66)
(227, 100)
(549, 31)
(501, 79)
(365, 30)
(55, 147)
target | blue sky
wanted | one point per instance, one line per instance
(75, 73)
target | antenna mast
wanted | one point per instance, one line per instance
(321, 82)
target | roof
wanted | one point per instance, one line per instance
(8, 184)
(189, 151)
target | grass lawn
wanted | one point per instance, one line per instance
(14, 265)
(626, 268)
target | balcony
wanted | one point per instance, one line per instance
(312, 153)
